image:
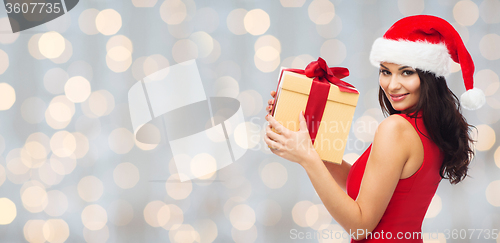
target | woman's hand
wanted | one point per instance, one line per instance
(270, 102)
(294, 146)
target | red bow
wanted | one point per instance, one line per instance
(322, 73)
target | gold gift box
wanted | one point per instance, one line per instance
(291, 99)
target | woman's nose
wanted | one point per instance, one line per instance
(394, 84)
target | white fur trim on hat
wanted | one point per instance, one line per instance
(472, 99)
(422, 55)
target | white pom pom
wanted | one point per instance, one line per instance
(472, 99)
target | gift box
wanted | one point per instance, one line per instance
(327, 101)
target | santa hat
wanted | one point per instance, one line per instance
(428, 43)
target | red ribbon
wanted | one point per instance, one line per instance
(323, 77)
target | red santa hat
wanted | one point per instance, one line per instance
(428, 43)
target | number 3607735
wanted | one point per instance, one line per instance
(32, 8)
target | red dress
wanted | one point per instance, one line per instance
(406, 210)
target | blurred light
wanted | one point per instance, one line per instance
(33, 110)
(175, 218)
(153, 64)
(242, 217)
(485, 137)
(214, 55)
(492, 194)
(182, 30)
(330, 30)
(96, 236)
(88, 126)
(66, 55)
(317, 215)
(203, 166)
(5, 36)
(488, 81)
(126, 175)
(87, 21)
(235, 21)
(55, 230)
(268, 212)
(204, 42)
(256, 22)
(151, 213)
(48, 175)
(321, 11)
(121, 140)
(292, 3)
(251, 102)
(299, 211)
(496, 157)
(4, 61)
(51, 44)
(184, 50)
(466, 12)
(14, 162)
(90, 189)
(61, 24)
(33, 47)
(119, 53)
(34, 199)
(455, 67)
(120, 212)
(411, 7)
(33, 231)
(183, 233)
(489, 10)
(94, 217)
(59, 112)
(82, 145)
(118, 66)
(333, 51)
(176, 189)
(435, 207)
(77, 89)
(62, 165)
(244, 236)
(274, 175)
(173, 11)
(252, 138)
(36, 151)
(207, 230)
(54, 80)
(108, 21)
(63, 143)
(7, 96)
(207, 19)
(144, 3)
(488, 46)
(226, 86)
(101, 102)
(364, 128)
(266, 66)
(8, 211)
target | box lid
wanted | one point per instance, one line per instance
(302, 84)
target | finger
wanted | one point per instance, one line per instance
(273, 94)
(302, 121)
(273, 135)
(276, 125)
(270, 101)
(273, 145)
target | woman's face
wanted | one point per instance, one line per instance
(401, 85)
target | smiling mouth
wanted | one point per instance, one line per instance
(398, 97)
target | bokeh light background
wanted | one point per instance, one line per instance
(71, 170)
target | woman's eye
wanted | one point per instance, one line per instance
(408, 72)
(384, 72)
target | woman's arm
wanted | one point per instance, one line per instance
(339, 172)
(390, 151)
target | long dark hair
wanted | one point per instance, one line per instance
(447, 128)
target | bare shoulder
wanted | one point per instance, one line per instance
(394, 125)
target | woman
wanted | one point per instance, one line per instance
(424, 140)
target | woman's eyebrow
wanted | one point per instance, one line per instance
(383, 66)
(403, 67)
